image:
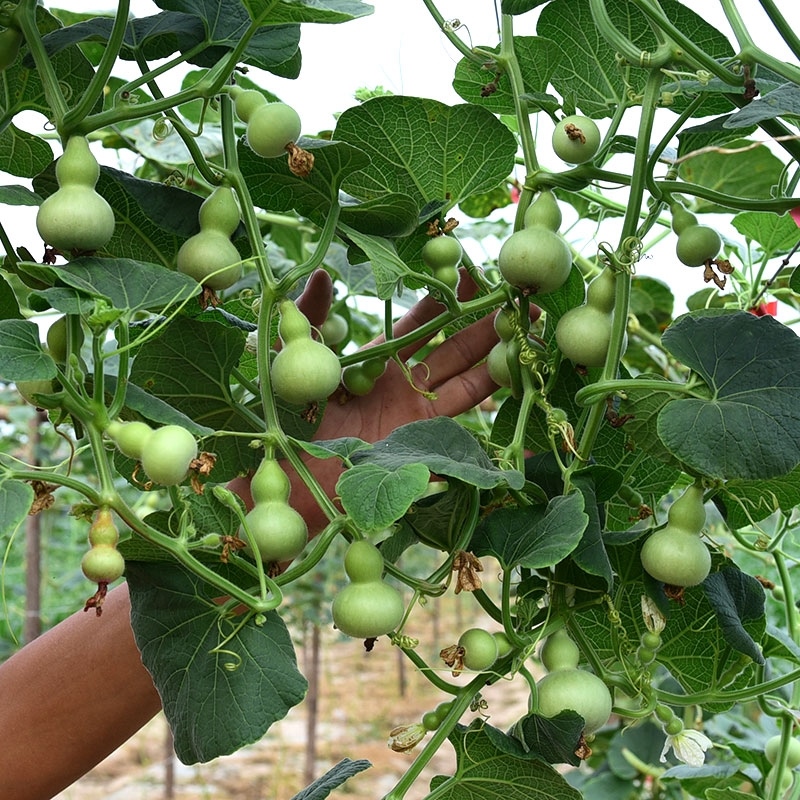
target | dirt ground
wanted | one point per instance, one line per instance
(360, 702)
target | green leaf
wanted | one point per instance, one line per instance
(16, 195)
(445, 448)
(457, 150)
(249, 681)
(334, 448)
(332, 779)
(23, 154)
(750, 427)
(775, 233)
(552, 739)
(749, 173)
(392, 215)
(226, 22)
(16, 498)
(9, 307)
(128, 285)
(481, 85)
(743, 502)
(780, 102)
(275, 188)
(710, 133)
(387, 267)
(376, 496)
(189, 366)
(645, 741)
(728, 793)
(321, 11)
(484, 772)
(520, 6)
(698, 780)
(440, 520)
(534, 536)
(736, 597)
(588, 73)
(21, 356)
(590, 554)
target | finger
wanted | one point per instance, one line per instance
(315, 301)
(463, 392)
(458, 353)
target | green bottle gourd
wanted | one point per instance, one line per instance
(544, 211)
(675, 554)
(76, 217)
(583, 334)
(304, 370)
(276, 529)
(565, 687)
(210, 256)
(368, 606)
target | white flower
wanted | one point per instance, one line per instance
(689, 746)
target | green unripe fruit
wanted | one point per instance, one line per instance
(56, 339)
(356, 381)
(441, 251)
(271, 127)
(697, 244)
(277, 530)
(269, 483)
(75, 217)
(480, 649)
(103, 564)
(544, 211)
(575, 690)
(676, 554)
(367, 610)
(167, 455)
(334, 330)
(448, 276)
(504, 646)
(503, 326)
(535, 260)
(10, 42)
(497, 365)
(246, 102)
(103, 532)
(681, 218)
(576, 139)
(363, 562)
(211, 259)
(773, 747)
(559, 652)
(430, 721)
(129, 437)
(219, 211)
(304, 370)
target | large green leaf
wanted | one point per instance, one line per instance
(427, 150)
(275, 188)
(781, 101)
(332, 779)
(189, 366)
(775, 233)
(747, 173)
(533, 536)
(21, 356)
(375, 496)
(225, 22)
(219, 693)
(750, 426)
(479, 84)
(588, 73)
(485, 772)
(744, 502)
(321, 11)
(387, 266)
(445, 448)
(127, 285)
(16, 498)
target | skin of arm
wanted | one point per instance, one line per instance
(57, 722)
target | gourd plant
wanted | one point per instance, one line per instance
(181, 374)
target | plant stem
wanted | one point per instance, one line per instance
(786, 30)
(94, 91)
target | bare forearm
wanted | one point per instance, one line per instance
(69, 699)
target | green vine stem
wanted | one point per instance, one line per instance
(457, 709)
(626, 48)
(478, 56)
(734, 696)
(786, 30)
(623, 255)
(595, 392)
(25, 17)
(94, 91)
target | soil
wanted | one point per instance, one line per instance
(362, 697)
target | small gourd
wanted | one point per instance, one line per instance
(583, 334)
(675, 554)
(565, 687)
(209, 256)
(544, 212)
(76, 217)
(536, 260)
(368, 606)
(275, 528)
(304, 370)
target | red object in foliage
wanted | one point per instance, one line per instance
(515, 196)
(795, 215)
(768, 309)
